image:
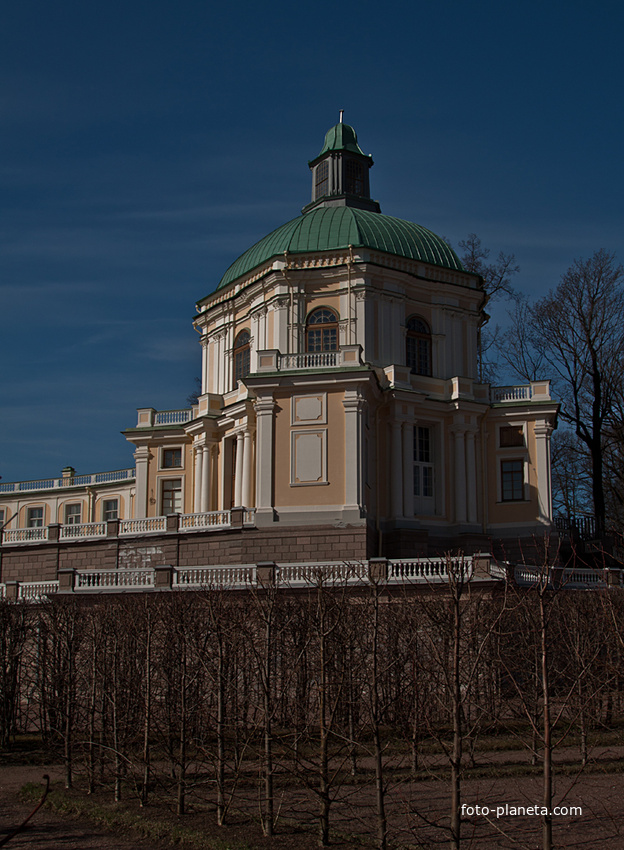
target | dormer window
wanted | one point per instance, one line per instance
(322, 330)
(242, 346)
(418, 346)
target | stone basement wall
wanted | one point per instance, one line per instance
(41, 561)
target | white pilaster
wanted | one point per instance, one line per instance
(396, 470)
(408, 470)
(265, 408)
(471, 475)
(205, 480)
(460, 474)
(238, 475)
(353, 405)
(543, 431)
(141, 457)
(246, 486)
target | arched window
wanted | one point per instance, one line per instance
(241, 355)
(418, 346)
(322, 330)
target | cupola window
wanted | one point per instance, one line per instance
(322, 179)
(418, 346)
(354, 178)
(241, 355)
(322, 330)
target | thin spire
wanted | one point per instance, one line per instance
(341, 114)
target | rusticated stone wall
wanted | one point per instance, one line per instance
(40, 561)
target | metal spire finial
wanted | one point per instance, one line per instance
(341, 114)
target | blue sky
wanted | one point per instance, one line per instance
(145, 145)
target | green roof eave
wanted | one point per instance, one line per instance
(330, 228)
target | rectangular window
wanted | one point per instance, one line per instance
(1, 517)
(323, 339)
(172, 458)
(512, 480)
(172, 496)
(423, 467)
(35, 517)
(73, 514)
(110, 509)
(322, 179)
(354, 182)
(511, 436)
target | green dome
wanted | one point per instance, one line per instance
(328, 228)
(341, 137)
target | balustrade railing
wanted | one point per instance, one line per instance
(211, 519)
(574, 579)
(243, 575)
(430, 569)
(321, 573)
(503, 394)
(33, 591)
(173, 417)
(310, 360)
(81, 530)
(143, 526)
(583, 526)
(25, 535)
(96, 579)
(71, 481)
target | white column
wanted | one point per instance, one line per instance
(141, 457)
(543, 430)
(205, 480)
(238, 475)
(408, 470)
(460, 475)
(246, 486)
(396, 470)
(265, 407)
(198, 480)
(353, 405)
(471, 474)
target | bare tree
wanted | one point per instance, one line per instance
(579, 330)
(497, 278)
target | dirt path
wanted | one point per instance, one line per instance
(48, 831)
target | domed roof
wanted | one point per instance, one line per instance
(327, 228)
(341, 137)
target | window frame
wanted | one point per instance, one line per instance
(519, 430)
(517, 486)
(328, 330)
(423, 485)
(241, 356)
(163, 487)
(33, 521)
(321, 180)
(165, 450)
(418, 348)
(354, 182)
(66, 515)
(105, 502)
